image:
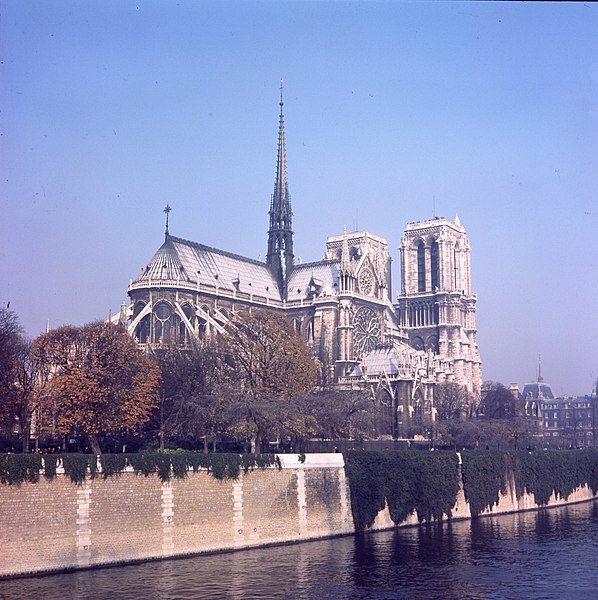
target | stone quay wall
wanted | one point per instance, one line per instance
(56, 525)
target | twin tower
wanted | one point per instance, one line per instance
(342, 305)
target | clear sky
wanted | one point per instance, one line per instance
(394, 112)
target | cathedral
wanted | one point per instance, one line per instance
(342, 305)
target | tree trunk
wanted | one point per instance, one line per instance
(25, 431)
(206, 447)
(94, 443)
(161, 434)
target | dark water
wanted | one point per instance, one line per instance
(536, 555)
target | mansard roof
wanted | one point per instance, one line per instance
(538, 389)
(182, 260)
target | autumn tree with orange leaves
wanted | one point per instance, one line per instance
(100, 382)
(270, 367)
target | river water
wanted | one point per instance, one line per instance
(548, 554)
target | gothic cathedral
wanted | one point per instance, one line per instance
(342, 305)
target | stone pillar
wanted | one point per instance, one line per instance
(302, 502)
(345, 514)
(83, 526)
(167, 519)
(238, 522)
(404, 269)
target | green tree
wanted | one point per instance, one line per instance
(100, 382)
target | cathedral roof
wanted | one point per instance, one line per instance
(397, 359)
(323, 275)
(182, 260)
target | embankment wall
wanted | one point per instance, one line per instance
(56, 525)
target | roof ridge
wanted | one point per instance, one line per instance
(218, 251)
(317, 262)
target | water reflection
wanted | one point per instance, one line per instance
(546, 554)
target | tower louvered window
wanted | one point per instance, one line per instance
(421, 267)
(434, 266)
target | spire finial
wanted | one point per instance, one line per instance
(167, 210)
(280, 234)
(540, 378)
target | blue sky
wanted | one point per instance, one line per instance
(394, 112)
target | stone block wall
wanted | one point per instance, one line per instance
(56, 525)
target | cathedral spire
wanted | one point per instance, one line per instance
(540, 378)
(280, 234)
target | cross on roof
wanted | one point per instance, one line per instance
(167, 210)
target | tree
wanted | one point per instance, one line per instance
(100, 383)
(271, 365)
(503, 418)
(342, 414)
(11, 334)
(452, 401)
(21, 378)
(196, 400)
(499, 402)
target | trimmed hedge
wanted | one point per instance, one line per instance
(558, 472)
(541, 473)
(484, 478)
(17, 468)
(428, 483)
(406, 481)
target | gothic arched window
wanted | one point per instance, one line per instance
(142, 329)
(421, 267)
(434, 266)
(162, 325)
(418, 409)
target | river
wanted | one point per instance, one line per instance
(552, 553)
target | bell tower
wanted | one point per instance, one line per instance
(436, 306)
(280, 257)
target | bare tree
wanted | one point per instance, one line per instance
(499, 403)
(341, 414)
(452, 401)
(197, 400)
(271, 365)
(22, 378)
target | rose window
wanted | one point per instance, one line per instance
(366, 282)
(366, 331)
